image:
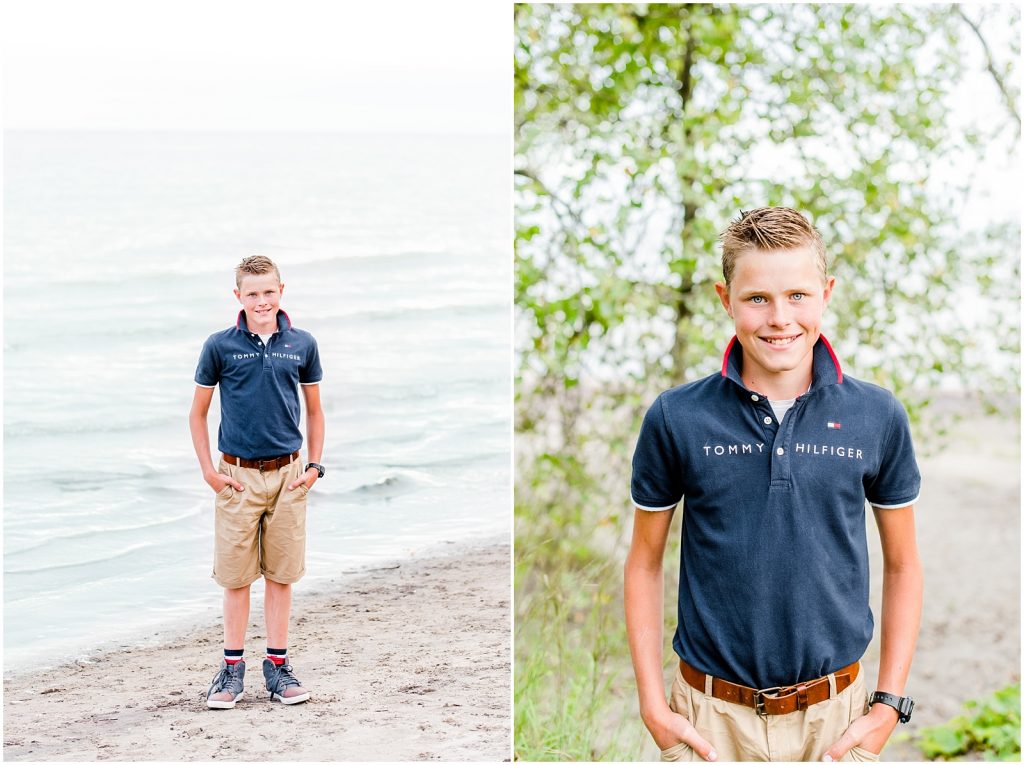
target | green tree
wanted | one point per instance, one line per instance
(641, 130)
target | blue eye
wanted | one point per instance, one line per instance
(757, 300)
(798, 296)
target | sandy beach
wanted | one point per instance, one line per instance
(409, 661)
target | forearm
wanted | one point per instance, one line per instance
(315, 426)
(902, 596)
(201, 441)
(643, 591)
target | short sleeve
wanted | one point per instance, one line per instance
(310, 371)
(208, 370)
(657, 472)
(897, 482)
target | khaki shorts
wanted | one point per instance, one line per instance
(262, 530)
(738, 734)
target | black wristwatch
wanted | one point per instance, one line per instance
(904, 705)
(319, 469)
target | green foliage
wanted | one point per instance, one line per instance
(563, 682)
(991, 728)
(642, 129)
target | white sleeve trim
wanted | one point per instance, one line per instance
(204, 386)
(896, 507)
(638, 506)
(312, 383)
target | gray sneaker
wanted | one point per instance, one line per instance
(226, 687)
(282, 684)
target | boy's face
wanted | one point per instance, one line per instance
(260, 296)
(777, 299)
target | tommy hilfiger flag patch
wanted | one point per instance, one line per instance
(834, 426)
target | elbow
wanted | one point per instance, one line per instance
(636, 565)
(908, 566)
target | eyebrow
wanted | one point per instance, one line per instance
(788, 291)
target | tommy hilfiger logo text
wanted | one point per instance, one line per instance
(292, 356)
(825, 450)
(830, 451)
(733, 449)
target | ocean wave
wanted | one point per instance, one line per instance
(396, 314)
(456, 461)
(200, 265)
(80, 564)
(101, 531)
(64, 427)
(386, 488)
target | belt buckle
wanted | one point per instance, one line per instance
(759, 701)
(261, 463)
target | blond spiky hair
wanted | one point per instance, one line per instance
(255, 265)
(769, 228)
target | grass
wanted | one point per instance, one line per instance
(570, 652)
(575, 695)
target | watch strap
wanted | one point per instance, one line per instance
(904, 705)
(319, 469)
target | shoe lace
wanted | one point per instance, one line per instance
(225, 678)
(285, 677)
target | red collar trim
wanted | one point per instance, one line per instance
(835, 360)
(725, 359)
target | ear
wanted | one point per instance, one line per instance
(238, 295)
(723, 294)
(280, 288)
(830, 282)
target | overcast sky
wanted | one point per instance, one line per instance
(439, 67)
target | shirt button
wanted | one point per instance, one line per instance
(755, 397)
(767, 420)
(780, 451)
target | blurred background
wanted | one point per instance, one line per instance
(640, 132)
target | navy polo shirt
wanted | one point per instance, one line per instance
(259, 394)
(773, 576)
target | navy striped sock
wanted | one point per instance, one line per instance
(277, 655)
(233, 655)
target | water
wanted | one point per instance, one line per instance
(119, 255)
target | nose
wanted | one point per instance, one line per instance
(780, 314)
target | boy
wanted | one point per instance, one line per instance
(260, 483)
(775, 457)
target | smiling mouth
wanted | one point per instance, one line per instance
(780, 342)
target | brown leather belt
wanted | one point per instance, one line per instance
(261, 465)
(772, 701)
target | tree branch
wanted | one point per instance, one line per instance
(532, 176)
(990, 65)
